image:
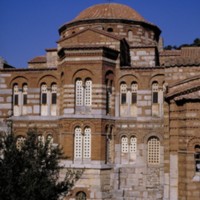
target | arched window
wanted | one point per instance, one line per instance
(24, 94)
(110, 29)
(155, 92)
(78, 143)
(88, 92)
(130, 35)
(81, 196)
(153, 150)
(133, 144)
(16, 95)
(124, 144)
(134, 88)
(197, 158)
(87, 142)
(43, 94)
(20, 142)
(53, 94)
(79, 92)
(123, 91)
(82, 143)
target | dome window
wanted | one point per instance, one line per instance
(110, 29)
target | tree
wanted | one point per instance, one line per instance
(30, 170)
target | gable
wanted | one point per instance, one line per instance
(186, 89)
(91, 37)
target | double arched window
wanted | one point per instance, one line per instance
(20, 99)
(82, 143)
(128, 148)
(128, 99)
(48, 99)
(83, 93)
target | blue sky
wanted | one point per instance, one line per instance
(29, 27)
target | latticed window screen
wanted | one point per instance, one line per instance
(124, 144)
(123, 90)
(87, 143)
(20, 141)
(78, 143)
(155, 92)
(79, 93)
(88, 92)
(153, 150)
(81, 196)
(133, 145)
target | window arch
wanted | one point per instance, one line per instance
(81, 196)
(153, 150)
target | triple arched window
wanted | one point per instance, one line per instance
(82, 143)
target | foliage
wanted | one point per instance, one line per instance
(32, 171)
(196, 43)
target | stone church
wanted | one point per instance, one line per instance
(122, 107)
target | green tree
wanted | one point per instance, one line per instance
(30, 171)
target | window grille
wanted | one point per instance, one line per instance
(124, 144)
(87, 143)
(153, 150)
(78, 143)
(79, 93)
(88, 92)
(133, 145)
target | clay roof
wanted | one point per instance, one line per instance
(109, 11)
(38, 59)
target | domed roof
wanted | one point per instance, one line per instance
(109, 11)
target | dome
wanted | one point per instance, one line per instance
(109, 11)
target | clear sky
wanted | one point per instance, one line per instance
(28, 27)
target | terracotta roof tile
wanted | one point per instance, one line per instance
(38, 59)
